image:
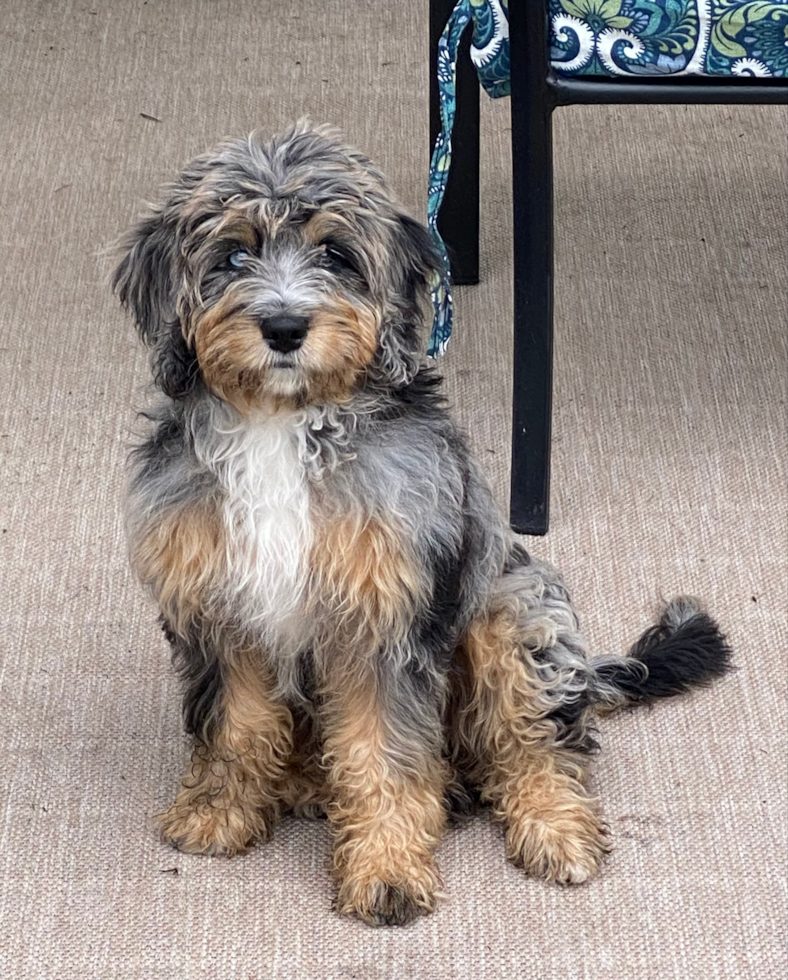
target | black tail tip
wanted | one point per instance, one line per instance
(685, 649)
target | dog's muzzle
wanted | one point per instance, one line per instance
(284, 332)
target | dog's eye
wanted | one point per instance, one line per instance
(237, 260)
(336, 259)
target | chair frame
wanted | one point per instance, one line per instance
(536, 90)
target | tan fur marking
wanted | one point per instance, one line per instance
(181, 558)
(225, 219)
(340, 345)
(366, 578)
(228, 797)
(387, 819)
(230, 351)
(536, 787)
(325, 224)
(237, 227)
(233, 358)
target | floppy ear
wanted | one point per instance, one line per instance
(415, 263)
(419, 258)
(145, 284)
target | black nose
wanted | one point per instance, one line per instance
(284, 332)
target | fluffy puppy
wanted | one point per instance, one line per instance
(357, 631)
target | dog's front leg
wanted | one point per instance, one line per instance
(243, 738)
(387, 778)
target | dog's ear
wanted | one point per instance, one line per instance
(145, 284)
(416, 265)
(419, 259)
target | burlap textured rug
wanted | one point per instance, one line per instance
(669, 473)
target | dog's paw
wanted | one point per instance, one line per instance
(566, 847)
(382, 903)
(208, 828)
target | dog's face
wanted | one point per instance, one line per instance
(279, 271)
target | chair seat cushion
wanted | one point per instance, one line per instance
(670, 37)
(734, 38)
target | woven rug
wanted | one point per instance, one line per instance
(669, 474)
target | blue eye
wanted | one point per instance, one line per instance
(238, 259)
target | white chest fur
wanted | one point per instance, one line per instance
(259, 465)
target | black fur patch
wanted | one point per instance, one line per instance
(685, 649)
(461, 799)
(421, 399)
(572, 728)
(436, 626)
(200, 671)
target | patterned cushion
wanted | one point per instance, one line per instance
(669, 37)
(642, 37)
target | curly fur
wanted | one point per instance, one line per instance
(357, 630)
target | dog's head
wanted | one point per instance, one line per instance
(279, 271)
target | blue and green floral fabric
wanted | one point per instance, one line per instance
(669, 37)
(603, 37)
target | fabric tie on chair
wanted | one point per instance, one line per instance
(490, 55)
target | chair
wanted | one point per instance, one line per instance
(569, 52)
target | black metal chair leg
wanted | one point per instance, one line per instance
(536, 91)
(458, 222)
(532, 179)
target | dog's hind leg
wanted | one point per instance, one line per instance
(520, 720)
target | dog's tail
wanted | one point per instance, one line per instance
(685, 649)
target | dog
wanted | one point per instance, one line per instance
(358, 632)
